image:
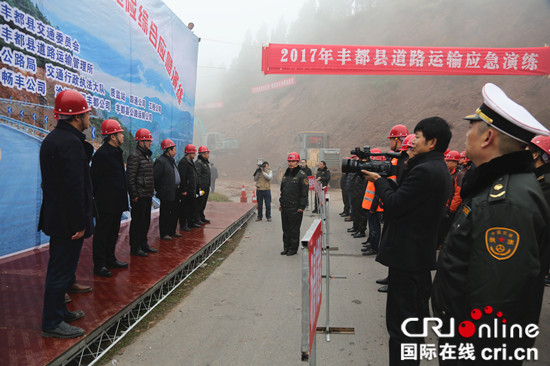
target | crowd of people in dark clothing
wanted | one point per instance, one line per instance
(75, 192)
(461, 214)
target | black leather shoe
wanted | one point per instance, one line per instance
(185, 228)
(103, 272)
(290, 253)
(199, 222)
(176, 235)
(352, 230)
(383, 289)
(343, 214)
(348, 219)
(359, 234)
(117, 265)
(206, 221)
(369, 251)
(366, 243)
(365, 249)
(284, 252)
(64, 330)
(139, 253)
(73, 315)
(194, 226)
(148, 249)
(383, 281)
(315, 211)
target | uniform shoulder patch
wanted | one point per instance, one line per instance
(501, 242)
(498, 190)
(306, 182)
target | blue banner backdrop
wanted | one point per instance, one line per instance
(133, 60)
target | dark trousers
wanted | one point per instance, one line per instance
(107, 227)
(375, 223)
(291, 220)
(358, 215)
(168, 217)
(345, 200)
(139, 226)
(264, 196)
(408, 297)
(64, 255)
(201, 204)
(187, 210)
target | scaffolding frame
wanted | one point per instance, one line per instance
(101, 340)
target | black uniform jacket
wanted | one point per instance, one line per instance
(325, 176)
(66, 183)
(412, 213)
(543, 176)
(188, 176)
(203, 172)
(492, 253)
(307, 171)
(109, 180)
(139, 171)
(294, 189)
(165, 177)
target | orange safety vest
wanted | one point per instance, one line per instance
(393, 177)
(369, 197)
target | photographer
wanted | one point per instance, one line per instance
(323, 176)
(262, 177)
(412, 216)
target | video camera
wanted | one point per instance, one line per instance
(261, 163)
(384, 168)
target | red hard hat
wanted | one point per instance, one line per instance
(452, 155)
(542, 142)
(203, 149)
(110, 126)
(377, 151)
(407, 142)
(398, 131)
(463, 155)
(190, 149)
(293, 156)
(166, 143)
(70, 102)
(143, 134)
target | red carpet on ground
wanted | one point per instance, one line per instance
(22, 280)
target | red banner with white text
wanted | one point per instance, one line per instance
(274, 85)
(395, 60)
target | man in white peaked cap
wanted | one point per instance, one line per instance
(492, 264)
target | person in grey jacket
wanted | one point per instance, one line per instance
(262, 177)
(167, 185)
(141, 187)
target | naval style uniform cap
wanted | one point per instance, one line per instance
(507, 116)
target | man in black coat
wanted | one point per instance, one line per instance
(305, 168)
(493, 261)
(188, 188)
(66, 212)
(323, 176)
(411, 215)
(110, 197)
(293, 201)
(203, 181)
(141, 187)
(167, 185)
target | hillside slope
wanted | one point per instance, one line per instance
(360, 110)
